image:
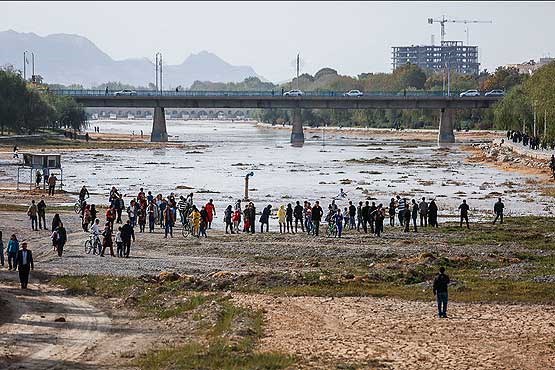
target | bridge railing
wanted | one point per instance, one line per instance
(193, 93)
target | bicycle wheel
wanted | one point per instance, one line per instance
(97, 247)
(186, 230)
(77, 208)
(88, 246)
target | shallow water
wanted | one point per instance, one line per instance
(282, 173)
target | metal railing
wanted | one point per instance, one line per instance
(193, 93)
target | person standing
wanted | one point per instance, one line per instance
(119, 243)
(52, 184)
(379, 217)
(352, 215)
(141, 216)
(41, 212)
(204, 221)
(317, 214)
(111, 216)
(365, 216)
(265, 218)
(298, 213)
(401, 205)
(406, 218)
(371, 215)
(282, 215)
(119, 205)
(127, 234)
(289, 218)
(151, 209)
(62, 239)
(107, 241)
(464, 213)
(423, 209)
(252, 216)
(337, 217)
(441, 283)
(432, 214)
(32, 213)
(211, 211)
(13, 247)
(391, 211)
(24, 263)
(498, 209)
(195, 221)
(38, 179)
(228, 214)
(359, 216)
(414, 213)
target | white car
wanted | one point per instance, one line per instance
(293, 93)
(470, 93)
(353, 93)
(125, 93)
(495, 93)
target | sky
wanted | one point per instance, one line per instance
(351, 37)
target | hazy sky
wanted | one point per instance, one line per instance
(352, 37)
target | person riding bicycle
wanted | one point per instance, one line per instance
(341, 194)
(95, 231)
(83, 194)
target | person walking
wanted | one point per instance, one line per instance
(119, 204)
(464, 213)
(24, 263)
(52, 184)
(13, 247)
(1, 250)
(337, 217)
(38, 179)
(32, 213)
(441, 283)
(62, 239)
(204, 221)
(119, 243)
(365, 216)
(265, 218)
(211, 211)
(317, 214)
(141, 216)
(379, 217)
(127, 234)
(432, 214)
(298, 213)
(289, 218)
(56, 221)
(391, 211)
(41, 212)
(111, 216)
(498, 210)
(414, 213)
(228, 214)
(423, 210)
(169, 220)
(107, 241)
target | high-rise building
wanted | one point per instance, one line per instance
(450, 54)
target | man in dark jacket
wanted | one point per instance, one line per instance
(365, 216)
(41, 212)
(498, 209)
(464, 213)
(317, 214)
(127, 233)
(298, 213)
(265, 218)
(441, 283)
(24, 263)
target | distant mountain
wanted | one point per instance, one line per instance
(68, 59)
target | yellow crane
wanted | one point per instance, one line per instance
(444, 20)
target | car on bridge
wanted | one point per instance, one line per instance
(469, 93)
(495, 93)
(293, 93)
(125, 93)
(353, 93)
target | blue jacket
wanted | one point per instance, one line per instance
(13, 246)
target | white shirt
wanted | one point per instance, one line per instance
(23, 257)
(95, 230)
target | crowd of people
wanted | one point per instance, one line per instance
(534, 142)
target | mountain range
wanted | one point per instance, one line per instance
(73, 59)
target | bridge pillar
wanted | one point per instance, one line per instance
(446, 125)
(297, 133)
(159, 132)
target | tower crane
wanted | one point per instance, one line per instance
(444, 20)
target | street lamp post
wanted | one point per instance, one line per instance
(25, 65)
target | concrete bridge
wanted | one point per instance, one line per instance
(446, 105)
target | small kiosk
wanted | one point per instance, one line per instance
(46, 163)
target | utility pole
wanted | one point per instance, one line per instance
(534, 107)
(298, 62)
(25, 65)
(158, 72)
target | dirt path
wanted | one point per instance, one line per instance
(32, 339)
(375, 333)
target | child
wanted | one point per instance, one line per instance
(119, 243)
(236, 218)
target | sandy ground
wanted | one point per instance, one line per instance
(395, 334)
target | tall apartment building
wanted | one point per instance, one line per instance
(453, 54)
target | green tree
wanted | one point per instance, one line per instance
(514, 112)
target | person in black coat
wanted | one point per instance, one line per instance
(265, 218)
(298, 213)
(24, 263)
(127, 233)
(432, 214)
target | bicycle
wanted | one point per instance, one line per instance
(93, 245)
(331, 230)
(78, 206)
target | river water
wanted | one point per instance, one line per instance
(365, 168)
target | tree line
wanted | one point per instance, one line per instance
(26, 107)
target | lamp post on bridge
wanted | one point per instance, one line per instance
(158, 72)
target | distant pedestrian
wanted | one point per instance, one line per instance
(498, 210)
(414, 214)
(298, 213)
(24, 263)
(441, 283)
(401, 205)
(228, 214)
(289, 218)
(391, 211)
(317, 214)
(38, 179)
(119, 243)
(406, 217)
(282, 215)
(211, 211)
(15, 150)
(32, 213)
(432, 214)
(13, 247)
(41, 213)
(265, 218)
(1, 250)
(52, 184)
(464, 213)
(338, 219)
(423, 210)
(107, 241)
